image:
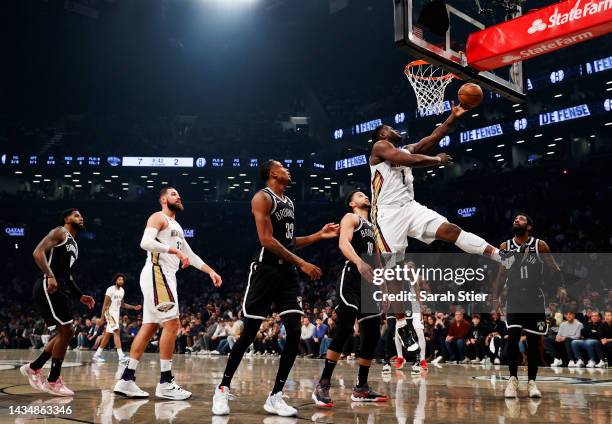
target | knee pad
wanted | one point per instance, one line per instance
(471, 243)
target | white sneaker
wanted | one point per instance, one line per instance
(121, 358)
(579, 363)
(416, 368)
(172, 391)
(533, 390)
(221, 400)
(475, 360)
(437, 360)
(497, 361)
(556, 363)
(571, 364)
(215, 352)
(600, 364)
(275, 404)
(128, 388)
(512, 388)
(386, 369)
(98, 359)
(590, 364)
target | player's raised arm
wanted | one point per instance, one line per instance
(329, 230)
(386, 151)
(426, 144)
(260, 207)
(149, 241)
(55, 237)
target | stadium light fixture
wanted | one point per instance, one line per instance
(518, 110)
(18, 172)
(556, 96)
(520, 142)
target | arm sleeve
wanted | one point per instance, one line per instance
(76, 291)
(149, 243)
(194, 260)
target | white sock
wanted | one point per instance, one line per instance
(99, 351)
(133, 364)
(422, 344)
(165, 364)
(120, 352)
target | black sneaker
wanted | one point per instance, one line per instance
(507, 258)
(365, 394)
(321, 395)
(407, 338)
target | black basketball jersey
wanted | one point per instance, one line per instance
(527, 272)
(363, 238)
(62, 257)
(282, 216)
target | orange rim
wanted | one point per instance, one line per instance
(420, 62)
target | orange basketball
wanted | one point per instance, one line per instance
(470, 95)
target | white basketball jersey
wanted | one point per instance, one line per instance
(391, 184)
(116, 296)
(171, 236)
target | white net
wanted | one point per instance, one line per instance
(429, 83)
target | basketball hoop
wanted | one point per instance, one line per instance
(429, 83)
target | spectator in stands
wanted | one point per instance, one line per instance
(429, 325)
(569, 331)
(306, 338)
(605, 331)
(439, 339)
(458, 332)
(590, 341)
(327, 337)
(319, 334)
(475, 343)
(498, 336)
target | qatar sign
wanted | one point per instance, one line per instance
(541, 31)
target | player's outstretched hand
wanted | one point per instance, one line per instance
(216, 279)
(330, 230)
(313, 271)
(446, 159)
(458, 110)
(366, 271)
(88, 300)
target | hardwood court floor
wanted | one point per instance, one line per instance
(449, 394)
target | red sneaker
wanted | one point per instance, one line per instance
(400, 363)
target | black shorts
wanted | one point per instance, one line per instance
(271, 288)
(55, 308)
(531, 322)
(351, 300)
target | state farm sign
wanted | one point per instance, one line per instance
(538, 32)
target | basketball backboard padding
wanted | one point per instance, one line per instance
(448, 51)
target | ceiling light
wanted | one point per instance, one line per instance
(18, 172)
(468, 150)
(538, 135)
(520, 142)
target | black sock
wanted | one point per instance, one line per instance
(128, 374)
(328, 370)
(251, 327)
(56, 368)
(514, 336)
(362, 376)
(165, 377)
(533, 355)
(39, 362)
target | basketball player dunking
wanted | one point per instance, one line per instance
(167, 250)
(273, 279)
(525, 309)
(113, 302)
(53, 293)
(357, 242)
(396, 215)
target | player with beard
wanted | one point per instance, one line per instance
(113, 302)
(273, 279)
(53, 293)
(525, 309)
(358, 245)
(167, 251)
(396, 215)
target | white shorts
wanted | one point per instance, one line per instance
(160, 300)
(394, 224)
(112, 322)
